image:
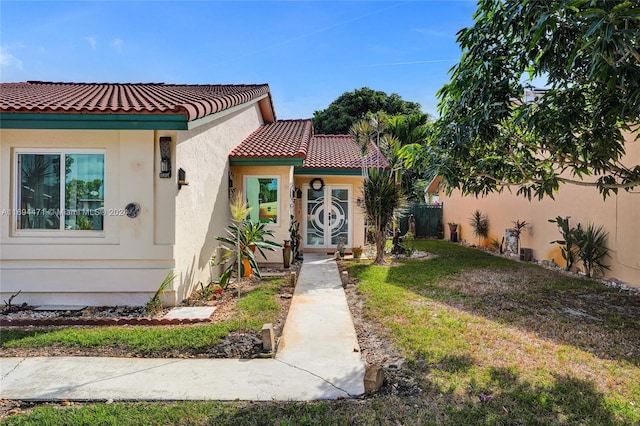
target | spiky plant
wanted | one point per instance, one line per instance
(592, 248)
(243, 236)
(567, 243)
(363, 133)
(383, 200)
(154, 305)
(480, 224)
(239, 208)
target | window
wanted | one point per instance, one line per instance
(262, 194)
(52, 198)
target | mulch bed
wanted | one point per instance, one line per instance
(244, 344)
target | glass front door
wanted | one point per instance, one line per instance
(328, 215)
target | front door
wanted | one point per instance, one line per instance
(328, 216)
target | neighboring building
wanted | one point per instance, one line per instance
(619, 214)
(148, 173)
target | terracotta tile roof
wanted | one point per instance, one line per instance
(340, 152)
(193, 101)
(284, 138)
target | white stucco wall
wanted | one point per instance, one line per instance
(202, 208)
(126, 262)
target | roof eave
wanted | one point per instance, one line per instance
(329, 171)
(78, 121)
(266, 161)
(216, 116)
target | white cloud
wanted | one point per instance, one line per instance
(7, 60)
(117, 44)
(92, 42)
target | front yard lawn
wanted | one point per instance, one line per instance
(492, 340)
(489, 340)
(255, 308)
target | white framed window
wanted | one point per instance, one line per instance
(59, 190)
(263, 195)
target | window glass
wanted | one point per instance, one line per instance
(39, 191)
(43, 187)
(84, 191)
(262, 196)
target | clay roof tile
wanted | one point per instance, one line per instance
(193, 101)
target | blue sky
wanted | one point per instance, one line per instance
(308, 52)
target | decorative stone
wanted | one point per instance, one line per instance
(268, 337)
(373, 378)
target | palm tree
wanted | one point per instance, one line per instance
(383, 200)
(363, 132)
(407, 153)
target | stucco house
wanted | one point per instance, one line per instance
(618, 214)
(148, 173)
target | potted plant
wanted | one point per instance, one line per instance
(286, 254)
(453, 231)
(518, 228)
(340, 246)
(357, 252)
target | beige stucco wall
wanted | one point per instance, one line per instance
(357, 225)
(285, 206)
(619, 214)
(126, 262)
(202, 208)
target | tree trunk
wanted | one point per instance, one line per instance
(380, 243)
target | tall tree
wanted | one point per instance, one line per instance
(409, 149)
(351, 107)
(490, 138)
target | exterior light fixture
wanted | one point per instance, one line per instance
(182, 178)
(165, 156)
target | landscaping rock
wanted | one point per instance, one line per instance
(373, 378)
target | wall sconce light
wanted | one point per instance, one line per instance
(165, 156)
(298, 193)
(182, 178)
(360, 202)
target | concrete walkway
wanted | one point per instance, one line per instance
(318, 358)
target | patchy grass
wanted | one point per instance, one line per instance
(496, 339)
(491, 341)
(253, 310)
(346, 412)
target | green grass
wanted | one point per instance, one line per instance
(221, 414)
(488, 340)
(253, 310)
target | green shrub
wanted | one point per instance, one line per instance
(567, 243)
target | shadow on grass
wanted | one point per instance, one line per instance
(510, 400)
(578, 312)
